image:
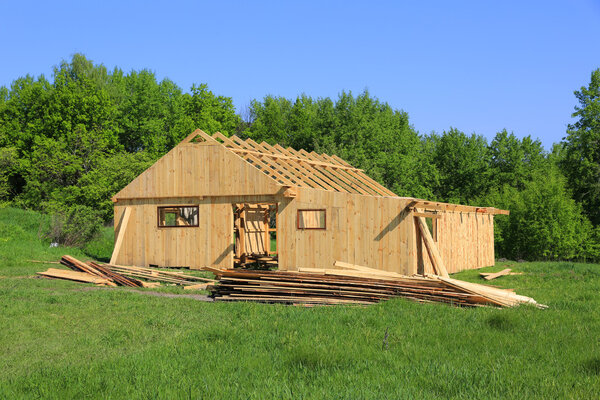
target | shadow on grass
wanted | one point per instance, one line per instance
(592, 366)
(313, 359)
(501, 322)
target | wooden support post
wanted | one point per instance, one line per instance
(267, 234)
(434, 254)
(238, 240)
(419, 250)
(120, 235)
(242, 233)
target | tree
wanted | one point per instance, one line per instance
(366, 132)
(77, 140)
(544, 222)
(581, 162)
(209, 112)
(463, 164)
(515, 161)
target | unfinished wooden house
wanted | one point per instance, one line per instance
(219, 201)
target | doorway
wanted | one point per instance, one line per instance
(255, 235)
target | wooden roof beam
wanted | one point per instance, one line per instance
(291, 165)
(276, 175)
(434, 205)
(318, 172)
(364, 176)
(302, 180)
(357, 179)
(341, 175)
(239, 150)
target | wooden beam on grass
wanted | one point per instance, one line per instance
(489, 277)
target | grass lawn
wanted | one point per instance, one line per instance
(60, 339)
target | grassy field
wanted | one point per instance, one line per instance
(61, 339)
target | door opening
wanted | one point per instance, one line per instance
(255, 235)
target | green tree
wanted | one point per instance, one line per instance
(76, 140)
(515, 161)
(269, 121)
(463, 164)
(209, 112)
(95, 188)
(366, 132)
(545, 223)
(581, 162)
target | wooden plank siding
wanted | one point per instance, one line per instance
(363, 230)
(199, 169)
(208, 244)
(466, 240)
(377, 232)
(201, 174)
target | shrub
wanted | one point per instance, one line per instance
(74, 225)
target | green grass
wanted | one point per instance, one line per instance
(60, 341)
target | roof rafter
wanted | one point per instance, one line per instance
(329, 185)
(298, 168)
(300, 179)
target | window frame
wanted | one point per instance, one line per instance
(196, 206)
(298, 211)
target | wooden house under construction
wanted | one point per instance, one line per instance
(221, 201)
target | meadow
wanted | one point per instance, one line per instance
(61, 339)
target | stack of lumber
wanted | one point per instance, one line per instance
(119, 275)
(157, 275)
(357, 285)
(76, 276)
(98, 270)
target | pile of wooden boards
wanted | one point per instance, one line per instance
(355, 285)
(158, 275)
(118, 275)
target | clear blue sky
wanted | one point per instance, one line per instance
(479, 66)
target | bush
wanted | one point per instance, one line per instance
(545, 223)
(74, 225)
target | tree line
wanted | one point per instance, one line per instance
(68, 144)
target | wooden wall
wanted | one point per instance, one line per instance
(208, 244)
(199, 169)
(200, 174)
(466, 240)
(370, 231)
(378, 232)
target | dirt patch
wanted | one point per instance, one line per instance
(199, 297)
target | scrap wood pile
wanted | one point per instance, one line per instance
(119, 275)
(355, 285)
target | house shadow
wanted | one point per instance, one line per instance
(393, 224)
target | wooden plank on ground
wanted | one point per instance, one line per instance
(495, 275)
(75, 276)
(362, 268)
(200, 286)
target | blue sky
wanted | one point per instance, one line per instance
(478, 66)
